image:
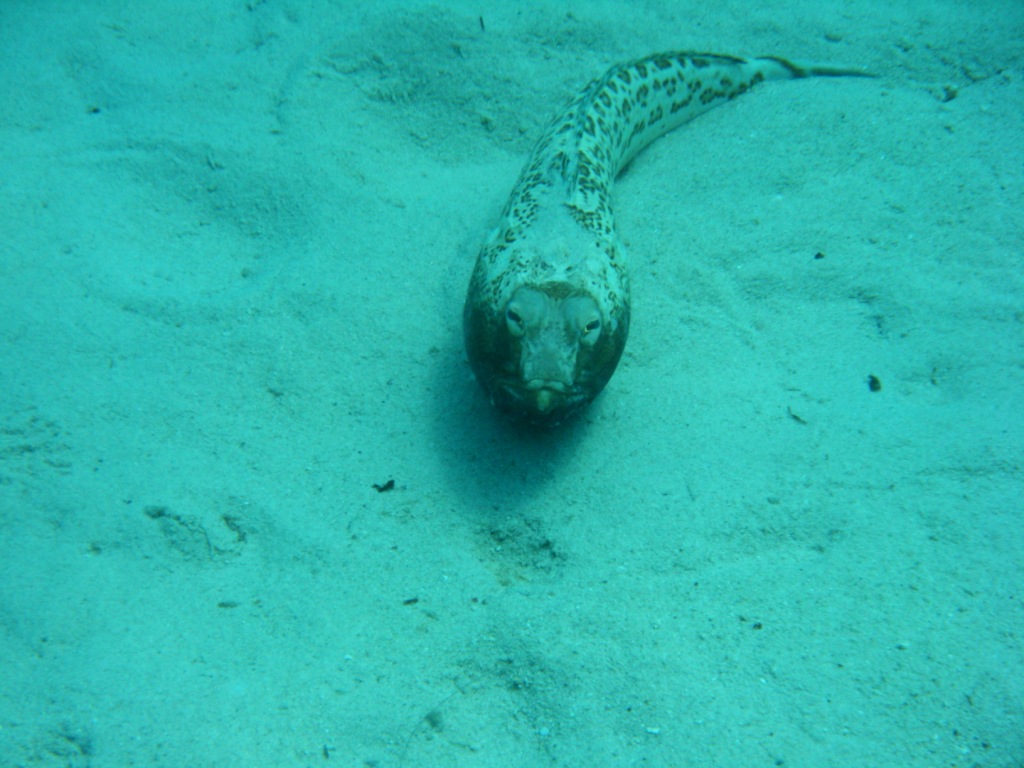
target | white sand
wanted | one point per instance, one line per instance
(233, 254)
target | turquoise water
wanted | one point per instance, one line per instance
(257, 512)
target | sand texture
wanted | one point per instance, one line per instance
(256, 512)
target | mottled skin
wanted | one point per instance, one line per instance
(547, 312)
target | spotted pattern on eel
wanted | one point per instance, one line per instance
(547, 311)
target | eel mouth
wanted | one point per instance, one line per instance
(541, 402)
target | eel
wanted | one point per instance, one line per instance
(547, 310)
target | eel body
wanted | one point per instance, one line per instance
(547, 311)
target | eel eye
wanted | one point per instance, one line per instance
(592, 326)
(514, 321)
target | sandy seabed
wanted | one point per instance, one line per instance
(255, 511)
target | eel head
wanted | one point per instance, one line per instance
(547, 352)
